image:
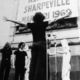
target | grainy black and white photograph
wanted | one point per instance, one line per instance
(39, 39)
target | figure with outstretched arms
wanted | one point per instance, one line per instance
(49, 24)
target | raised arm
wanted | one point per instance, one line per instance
(21, 24)
(68, 14)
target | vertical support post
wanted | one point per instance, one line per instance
(55, 45)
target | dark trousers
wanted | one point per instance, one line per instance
(38, 63)
(19, 73)
(4, 71)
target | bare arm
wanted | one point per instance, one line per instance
(21, 24)
(51, 23)
(60, 52)
(13, 60)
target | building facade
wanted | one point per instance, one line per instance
(72, 34)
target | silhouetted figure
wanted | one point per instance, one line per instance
(5, 62)
(39, 62)
(38, 67)
(20, 55)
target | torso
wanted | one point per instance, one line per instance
(20, 58)
(38, 31)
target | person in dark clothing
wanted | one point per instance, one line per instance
(39, 61)
(5, 62)
(20, 62)
(38, 65)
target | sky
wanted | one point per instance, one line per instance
(7, 9)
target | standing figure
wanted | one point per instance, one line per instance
(5, 62)
(27, 61)
(20, 55)
(38, 64)
(66, 67)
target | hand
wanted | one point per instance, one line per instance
(69, 13)
(5, 18)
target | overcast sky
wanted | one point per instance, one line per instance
(7, 9)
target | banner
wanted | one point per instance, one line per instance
(52, 9)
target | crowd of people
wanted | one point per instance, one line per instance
(21, 61)
(39, 62)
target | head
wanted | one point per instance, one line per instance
(38, 17)
(64, 43)
(7, 46)
(21, 45)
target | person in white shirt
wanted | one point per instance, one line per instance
(66, 67)
(27, 61)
